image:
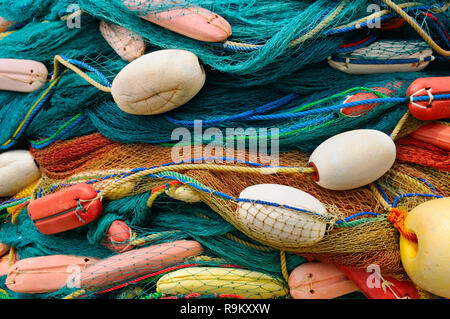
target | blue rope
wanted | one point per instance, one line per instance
(383, 193)
(28, 120)
(332, 108)
(357, 215)
(392, 61)
(62, 133)
(267, 107)
(89, 68)
(413, 195)
(429, 184)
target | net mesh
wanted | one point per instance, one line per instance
(268, 73)
(373, 240)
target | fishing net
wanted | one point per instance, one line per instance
(374, 240)
(273, 85)
(268, 74)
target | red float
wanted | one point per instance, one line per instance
(433, 109)
(67, 209)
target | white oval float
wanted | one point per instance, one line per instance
(280, 225)
(22, 75)
(17, 171)
(158, 82)
(352, 159)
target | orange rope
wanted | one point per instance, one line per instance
(397, 217)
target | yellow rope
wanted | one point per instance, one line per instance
(246, 243)
(55, 81)
(5, 34)
(380, 197)
(211, 167)
(4, 292)
(75, 294)
(375, 15)
(321, 25)
(284, 265)
(416, 27)
(399, 125)
(72, 15)
(58, 59)
(11, 256)
(151, 238)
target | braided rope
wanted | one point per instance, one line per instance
(211, 167)
(59, 60)
(397, 218)
(284, 265)
(399, 125)
(321, 25)
(32, 111)
(76, 294)
(417, 27)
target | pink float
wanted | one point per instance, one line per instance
(4, 265)
(316, 280)
(194, 22)
(137, 262)
(45, 274)
(3, 249)
(22, 75)
(128, 44)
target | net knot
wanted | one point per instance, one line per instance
(397, 218)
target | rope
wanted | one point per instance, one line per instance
(399, 125)
(397, 217)
(355, 25)
(321, 25)
(59, 59)
(380, 197)
(76, 294)
(31, 113)
(246, 243)
(284, 265)
(12, 256)
(152, 237)
(211, 167)
(416, 27)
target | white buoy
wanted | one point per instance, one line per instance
(281, 225)
(17, 171)
(352, 159)
(158, 82)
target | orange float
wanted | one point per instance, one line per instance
(433, 109)
(67, 209)
(118, 237)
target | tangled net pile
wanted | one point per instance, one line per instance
(180, 218)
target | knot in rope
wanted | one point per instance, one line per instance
(397, 218)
